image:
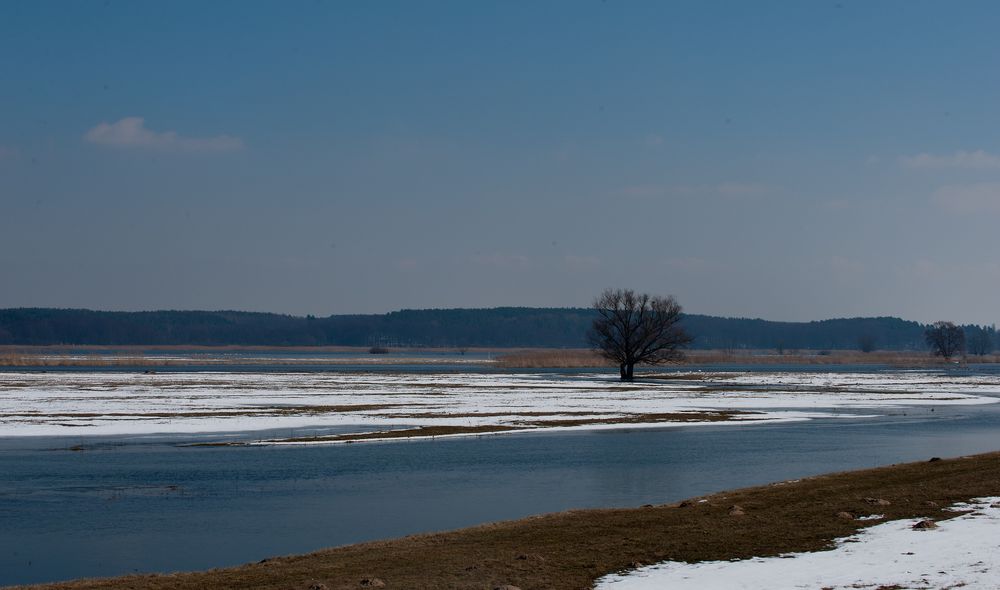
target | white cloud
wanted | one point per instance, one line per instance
(500, 260)
(741, 189)
(726, 189)
(686, 263)
(978, 159)
(844, 267)
(643, 191)
(969, 198)
(654, 140)
(565, 152)
(131, 132)
(581, 263)
(408, 264)
(836, 204)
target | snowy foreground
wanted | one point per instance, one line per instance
(963, 552)
(108, 403)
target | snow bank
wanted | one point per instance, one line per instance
(962, 552)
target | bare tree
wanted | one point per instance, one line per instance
(981, 340)
(634, 328)
(945, 339)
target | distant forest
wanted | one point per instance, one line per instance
(499, 327)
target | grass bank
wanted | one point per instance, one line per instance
(569, 550)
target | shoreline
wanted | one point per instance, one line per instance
(171, 356)
(573, 549)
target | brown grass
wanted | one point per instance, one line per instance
(892, 358)
(444, 430)
(545, 358)
(16, 359)
(573, 358)
(258, 411)
(421, 432)
(703, 416)
(529, 358)
(569, 550)
(128, 356)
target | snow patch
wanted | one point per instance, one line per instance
(110, 403)
(963, 551)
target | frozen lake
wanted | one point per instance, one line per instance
(140, 502)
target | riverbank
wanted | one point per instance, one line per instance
(571, 550)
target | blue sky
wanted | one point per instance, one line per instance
(786, 160)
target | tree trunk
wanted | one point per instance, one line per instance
(627, 370)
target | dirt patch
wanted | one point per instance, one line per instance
(432, 431)
(707, 416)
(492, 414)
(255, 411)
(569, 550)
(422, 432)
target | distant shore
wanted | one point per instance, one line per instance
(569, 358)
(507, 358)
(570, 550)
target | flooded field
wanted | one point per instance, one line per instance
(98, 476)
(77, 403)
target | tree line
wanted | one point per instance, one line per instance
(496, 327)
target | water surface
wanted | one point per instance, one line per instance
(147, 504)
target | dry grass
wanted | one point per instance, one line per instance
(451, 430)
(826, 357)
(200, 348)
(139, 356)
(658, 418)
(546, 358)
(527, 358)
(573, 358)
(241, 413)
(91, 359)
(569, 550)
(420, 432)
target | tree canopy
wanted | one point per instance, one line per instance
(633, 328)
(496, 327)
(946, 339)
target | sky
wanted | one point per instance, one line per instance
(785, 160)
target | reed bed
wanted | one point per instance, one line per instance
(550, 358)
(573, 358)
(508, 359)
(11, 359)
